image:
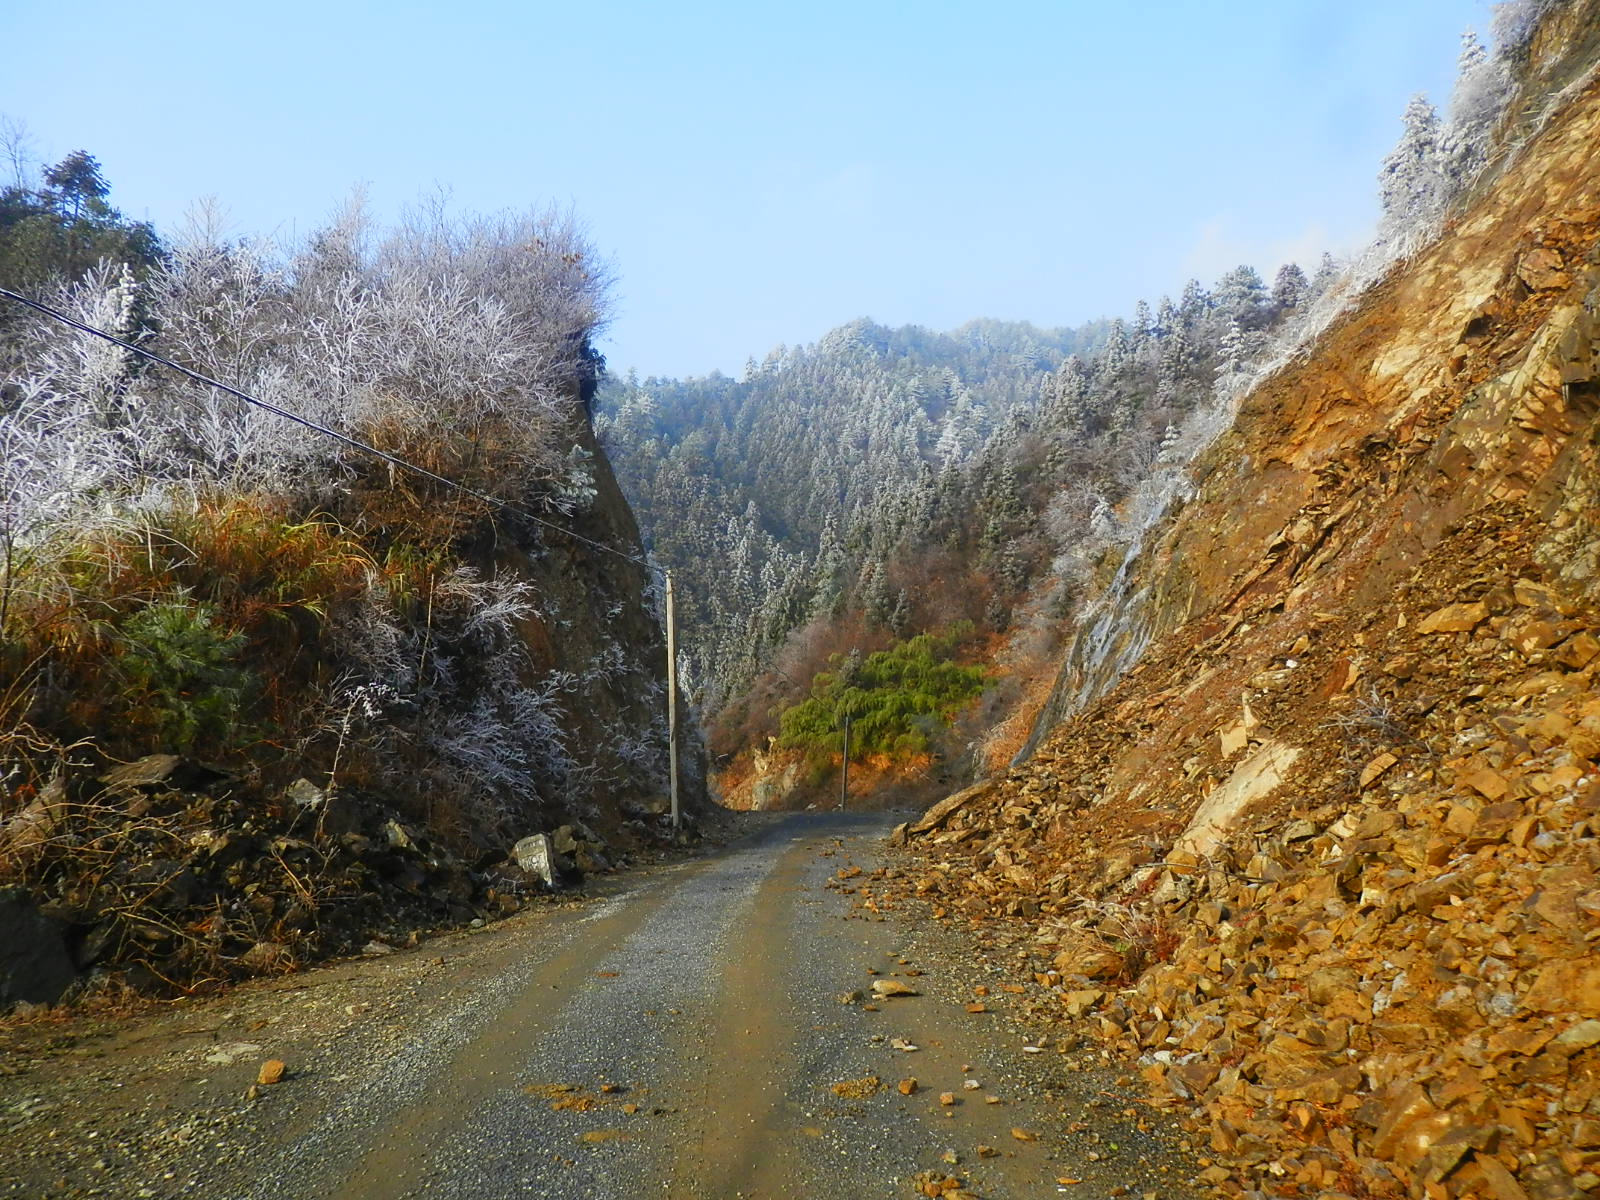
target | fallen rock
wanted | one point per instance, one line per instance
(535, 855)
(35, 967)
(302, 793)
(264, 957)
(942, 811)
(857, 1089)
(153, 770)
(1455, 618)
(885, 988)
(23, 836)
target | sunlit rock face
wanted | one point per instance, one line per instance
(1311, 823)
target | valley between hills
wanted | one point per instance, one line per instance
(1219, 690)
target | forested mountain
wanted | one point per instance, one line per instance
(887, 482)
(841, 497)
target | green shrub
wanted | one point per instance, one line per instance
(181, 671)
(897, 699)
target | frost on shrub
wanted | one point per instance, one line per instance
(462, 342)
(574, 489)
(452, 706)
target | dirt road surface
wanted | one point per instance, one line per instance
(707, 1029)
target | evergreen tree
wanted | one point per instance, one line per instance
(66, 228)
(1194, 304)
(75, 187)
(1412, 181)
(1327, 274)
(1241, 297)
(1289, 289)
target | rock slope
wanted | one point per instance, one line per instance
(169, 873)
(1325, 857)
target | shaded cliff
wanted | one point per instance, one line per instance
(260, 736)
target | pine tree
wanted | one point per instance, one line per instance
(1167, 321)
(1289, 289)
(1114, 354)
(1233, 353)
(1144, 325)
(826, 588)
(1327, 275)
(1482, 87)
(76, 187)
(1412, 182)
(1241, 296)
(1177, 359)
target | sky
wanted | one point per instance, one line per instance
(757, 174)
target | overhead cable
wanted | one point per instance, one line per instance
(325, 431)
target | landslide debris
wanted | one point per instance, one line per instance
(1386, 974)
(1325, 860)
(167, 875)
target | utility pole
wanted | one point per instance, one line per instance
(844, 772)
(672, 703)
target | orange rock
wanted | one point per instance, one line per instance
(1579, 650)
(1377, 767)
(1455, 618)
(1490, 784)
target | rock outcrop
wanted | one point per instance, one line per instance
(172, 873)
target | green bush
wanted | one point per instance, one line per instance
(896, 700)
(181, 673)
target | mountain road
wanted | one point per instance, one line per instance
(722, 1026)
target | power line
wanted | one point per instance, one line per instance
(288, 415)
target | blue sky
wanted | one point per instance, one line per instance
(761, 173)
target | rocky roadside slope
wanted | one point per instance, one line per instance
(170, 873)
(1326, 858)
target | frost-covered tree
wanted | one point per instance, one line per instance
(1412, 181)
(1514, 23)
(1326, 274)
(1289, 288)
(1241, 296)
(1483, 85)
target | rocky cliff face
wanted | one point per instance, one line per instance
(1335, 750)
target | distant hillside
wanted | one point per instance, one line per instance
(848, 496)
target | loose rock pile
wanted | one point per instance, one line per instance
(1376, 971)
(169, 875)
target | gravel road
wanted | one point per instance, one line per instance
(708, 1029)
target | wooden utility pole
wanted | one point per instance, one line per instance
(844, 772)
(672, 703)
